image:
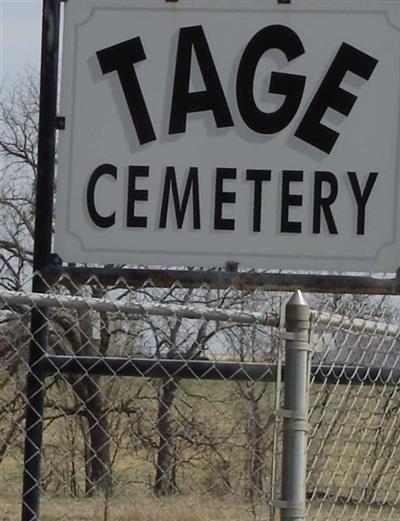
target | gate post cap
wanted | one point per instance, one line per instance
(297, 299)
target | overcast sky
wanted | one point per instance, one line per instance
(20, 36)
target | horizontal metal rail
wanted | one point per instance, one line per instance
(223, 279)
(137, 308)
(189, 369)
(355, 325)
(211, 370)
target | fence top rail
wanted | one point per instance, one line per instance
(12, 298)
(353, 324)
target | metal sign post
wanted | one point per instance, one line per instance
(35, 387)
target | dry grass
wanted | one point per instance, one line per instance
(202, 500)
(143, 508)
(184, 508)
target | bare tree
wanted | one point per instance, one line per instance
(19, 114)
(174, 341)
(255, 343)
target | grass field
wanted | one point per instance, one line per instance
(187, 508)
(354, 452)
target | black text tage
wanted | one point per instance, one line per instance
(122, 57)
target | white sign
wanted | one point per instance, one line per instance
(201, 132)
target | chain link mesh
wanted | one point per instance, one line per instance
(354, 443)
(186, 449)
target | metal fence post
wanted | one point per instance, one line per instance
(35, 388)
(295, 411)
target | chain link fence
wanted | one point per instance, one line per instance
(174, 411)
(354, 442)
